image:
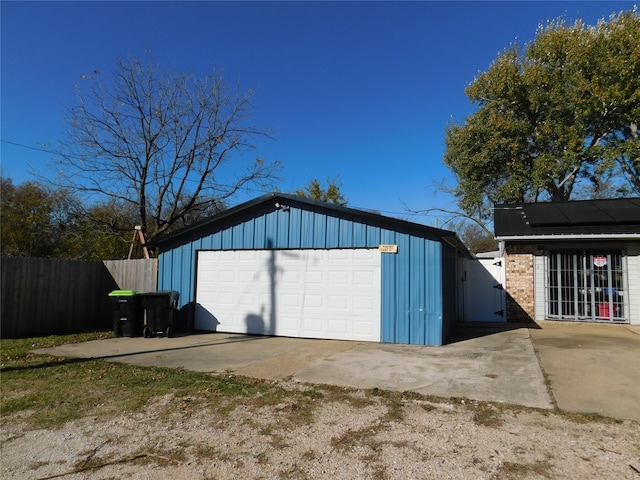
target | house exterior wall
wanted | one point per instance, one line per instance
(519, 282)
(540, 294)
(633, 277)
(412, 282)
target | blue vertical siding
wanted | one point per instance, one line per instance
(333, 232)
(295, 228)
(282, 231)
(259, 238)
(308, 234)
(373, 236)
(271, 229)
(418, 306)
(412, 290)
(248, 234)
(389, 298)
(433, 267)
(359, 234)
(319, 239)
(404, 290)
(227, 239)
(346, 234)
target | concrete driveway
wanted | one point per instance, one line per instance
(483, 364)
(592, 368)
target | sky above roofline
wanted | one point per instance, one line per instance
(363, 90)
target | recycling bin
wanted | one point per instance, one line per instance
(127, 314)
(159, 311)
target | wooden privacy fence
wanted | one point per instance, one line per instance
(47, 296)
(140, 275)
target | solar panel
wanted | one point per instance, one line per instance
(620, 215)
(586, 212)
(544, 214)
(627, 211)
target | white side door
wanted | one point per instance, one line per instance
(485, 297)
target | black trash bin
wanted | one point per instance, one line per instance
(127, 314)
(159, 311)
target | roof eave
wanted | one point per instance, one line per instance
(577, 236)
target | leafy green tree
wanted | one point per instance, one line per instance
(556, 120)
(98, 232)
(30, 219)
(475, 238)
(170, 145)
(330, 193)
(37, 221)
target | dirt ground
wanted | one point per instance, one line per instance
(356, 435)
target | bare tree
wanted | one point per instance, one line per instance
(170, 144)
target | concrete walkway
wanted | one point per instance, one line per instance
(500, 366)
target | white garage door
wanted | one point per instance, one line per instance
(332, 294)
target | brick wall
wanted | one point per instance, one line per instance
(519, 282)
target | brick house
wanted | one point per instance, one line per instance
(571, 261)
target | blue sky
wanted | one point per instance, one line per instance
(363, 90)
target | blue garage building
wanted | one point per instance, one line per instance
(289, 266)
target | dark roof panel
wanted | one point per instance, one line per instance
(542, 214)
(621, 215)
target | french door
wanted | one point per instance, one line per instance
(587, 285)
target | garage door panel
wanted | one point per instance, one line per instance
(314, 278)
(338, 326)
(363, 328)
(246, 276)
(291, 277)
(313, 302)
(339, 302)
(247, 299)
(291, 301)
(303, 293)
(340, 255)
(312, 324)
(338, 278)
(363, 303)
(364, 254)
(363, 278)
(225, 298)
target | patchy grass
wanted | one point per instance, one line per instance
(515, 471)
(14, 352)
(394, 401)
(51, 391)
(361, 437)
(486, 414)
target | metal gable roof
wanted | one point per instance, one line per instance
(272, 200)
(584, 217)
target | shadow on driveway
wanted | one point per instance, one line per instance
(470, 330)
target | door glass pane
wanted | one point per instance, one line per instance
(585, 285)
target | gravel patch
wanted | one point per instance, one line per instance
(357, 435)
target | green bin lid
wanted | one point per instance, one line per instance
(123, 293)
